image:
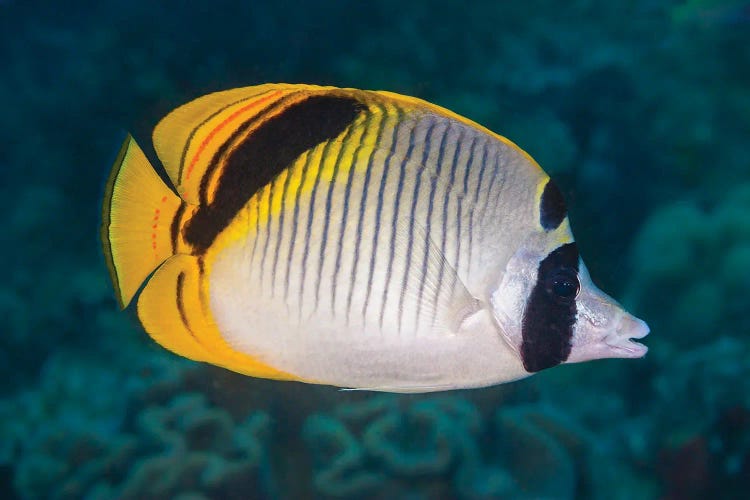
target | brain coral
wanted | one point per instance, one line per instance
(73, 437)
(442, 447)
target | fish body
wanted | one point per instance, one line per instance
(354, 238)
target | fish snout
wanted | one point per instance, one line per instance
(622, 339)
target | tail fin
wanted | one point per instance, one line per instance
(137, 218)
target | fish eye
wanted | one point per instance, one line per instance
(564, 284)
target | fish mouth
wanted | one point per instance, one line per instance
(623, 341)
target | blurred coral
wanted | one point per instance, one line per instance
(695, 262)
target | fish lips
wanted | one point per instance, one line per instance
(619, 343)
(623, 343)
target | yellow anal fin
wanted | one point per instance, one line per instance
(188, 137)
(172, 312)
(137, 221)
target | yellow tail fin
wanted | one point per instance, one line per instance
(137, 218)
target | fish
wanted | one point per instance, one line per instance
(359, 239)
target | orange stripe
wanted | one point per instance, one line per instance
(222, 125)
(155, 225)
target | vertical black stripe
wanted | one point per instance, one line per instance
(256, 233)
(308, 227)
(174, 228)
(428, 224)
(345, 212)
(327, 223)
(480, 183)
(280, 231)
(493, 178)
(446, 204)
(460, 211)
(378, 212)
(550, 313)
(412, 217)
(362, 209)
(394, 222)
(470, 168)
(254, 162)
(295, 221)
(180, 301)
(310, 218)
(268, 232)
(481, 174)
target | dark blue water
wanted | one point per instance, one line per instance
(640, 111)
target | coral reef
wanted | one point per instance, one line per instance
(340, 459)
(443, 446)
(181, 447)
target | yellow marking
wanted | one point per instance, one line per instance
(137, 216)
(368, 140)
(295, 171)
(315, 163)
(193, 125)
(198, 337)
(245, 107)
(186, 168)
(562, 234)
(265, 205)
(278, 186)
(559, 236)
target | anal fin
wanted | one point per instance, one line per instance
(173, 313)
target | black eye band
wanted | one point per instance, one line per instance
(550, 312)
(563, 285)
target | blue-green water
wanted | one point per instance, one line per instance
(640, 110)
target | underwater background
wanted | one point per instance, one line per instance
(640, 111)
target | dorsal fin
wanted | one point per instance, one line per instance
(187, 139)
(236, 149)
(420, 104)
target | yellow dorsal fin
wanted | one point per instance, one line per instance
(174, 315)
(188, 137)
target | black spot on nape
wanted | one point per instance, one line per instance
(550, 313)
(266, 152)
(552, 209)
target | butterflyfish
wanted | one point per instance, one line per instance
(360, 239)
